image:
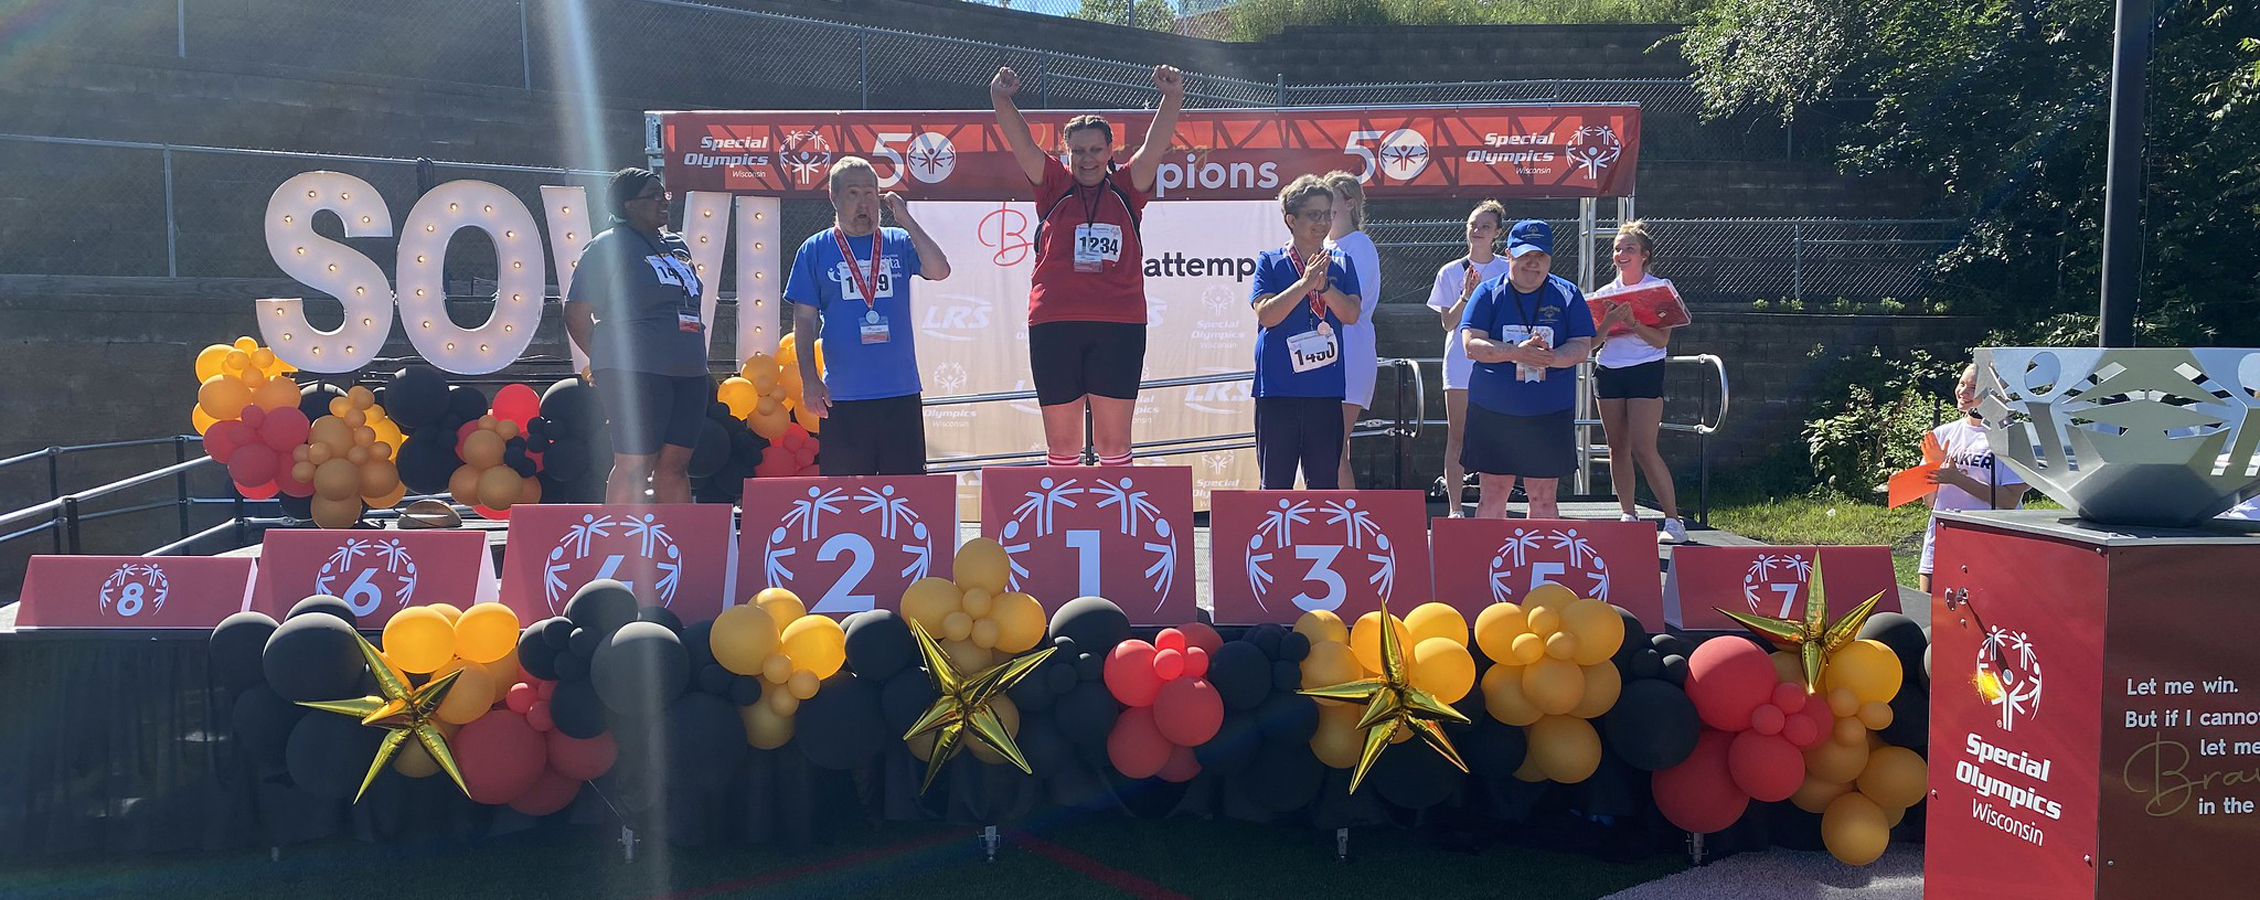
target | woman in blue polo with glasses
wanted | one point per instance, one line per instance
(1303, 295)
(1526, 331)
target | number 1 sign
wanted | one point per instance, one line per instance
(1125, 534)
(846, 545)
(1275, 555)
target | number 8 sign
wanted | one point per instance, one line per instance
(1275, 555)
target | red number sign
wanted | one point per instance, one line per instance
(675, 555)
(1770, 581)
(133, 591)
(846, 545)
(378, 573)
(1479, 562)
(1074, 531)
(1275, 554)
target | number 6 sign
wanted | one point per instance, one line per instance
(1275, 555)
(1122, 534)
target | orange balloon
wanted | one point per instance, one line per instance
(499, 487)
(483, 449)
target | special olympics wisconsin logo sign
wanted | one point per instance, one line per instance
(1593, 148)
(1533, 556)
(931, 158)
(868, 527)
(133, 589)
(2006, 660)
(1338, 539)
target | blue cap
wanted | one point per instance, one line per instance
(1528, 235)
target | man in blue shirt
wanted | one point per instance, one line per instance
(1526, 332)
(849, 285)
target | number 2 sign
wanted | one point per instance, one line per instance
(846, 545)
(1275, 555)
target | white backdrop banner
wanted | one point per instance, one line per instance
(973, 331)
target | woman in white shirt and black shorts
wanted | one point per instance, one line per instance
(1628, 381)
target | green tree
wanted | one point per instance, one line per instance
(2004, 103)
(1156, 15)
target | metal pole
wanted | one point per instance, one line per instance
(1797, 260)
(180, 27)
(2122, 176)
(525, 48)
(1281, 78)
(863, 64)
(180, 481)
(69, 515)
(1044, 80)
(172, 230)
(1703, 455)
(1090, 448)
(55, 490)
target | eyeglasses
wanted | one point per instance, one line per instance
(667, 196)
(1315, 215)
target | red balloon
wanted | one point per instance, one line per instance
(1181, 767)
(1196, 662)
(1767, 719)
(1199, 634)
(464, 432)
(1135, 746)
(809, 471)
(806, 455)
(1188, 711)
(1169, 663)
(1130, 675)
(520, 697)
(545, 688)
(498, 515)
(537, 715)
(225, 435)
(793, 437)
(1765, 766)
(500, 755)
(582, 758)
(1809, 726)
(258, 491)
(550, 793)
(1790, 696)
(285, 428)
(518, 403)
(253, 416)
(1699, 794)
(1170, 639)
(1727, 677)
(252, 464)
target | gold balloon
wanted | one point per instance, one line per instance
(969, 656)
(764, 728)
(803, 684)
(1553, 685)
(1602, 686)
(330, 513)
(977, 602)
(1321, 626)
(1867, 668)
(1007, 713)
(464, 485)
(1365, 639)
(337, 479)
(1503, 697)
(781, 701)
(1392, 703)
(419, 640)
(223, 397)
(784, 606)
(1443, 668)
(1566, 748)
(402, 711)
(1895, 778)
(201, 419)
(275, 393)
(331, 432)
(984, 634)
(1855, 829)
(378, 478)
(1496, 629)
(208, 361)
(982, 563)
(486, 632)
(1436, 620)
(499, 487)
(964, 706)
(1816, 794)
(472, 697)
(743, 639)
(739, 395)
(778, 668)
(1814, 638)
(483, 449)
(929, 600)
(1020, 622)
(816, 644)
(1549, 596)
(1338, 740)
(957, 626)
(1599, 630)
(1328, 663)
(1837, 762)
(448, 611)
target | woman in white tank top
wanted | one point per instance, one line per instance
(1628, 380)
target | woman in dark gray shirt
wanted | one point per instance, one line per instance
(634, 309)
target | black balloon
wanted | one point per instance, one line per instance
(1414, 780)
(1233, 749)
(1675, 669)
(326, 605)
(314, 399)
(711, 452)
(1635, 635)
(1034, 694)
(1494, 749)
(416, 397)
(714, 679)
(237, 645)
(535, 655)
(1241, 673)
(1286, 676)
(427, 461)
(1046, 750)
(1086, 714)
(314, 657)
(465, 403)
(1293, 646)
(566, 459)
(576, 709)
(557, 632)
(879, 645)
(328, 754)
(1095, 623)
(662, 615)
(698, 641)
(841, 727)
(705, 742)
(1644, 662)
(571, 405)
(1266, 637)
(1910, 718)
(1090, 666)
(1668, 644)
(1285, 776)
(1288, 718)
(640, 668)
(571, 666)
(263, 721)
(601, 606)
(745, 690)
(1903, 636)
(1653, 725)
(583, 642)
(903, 698)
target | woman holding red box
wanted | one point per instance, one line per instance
(1628, 381)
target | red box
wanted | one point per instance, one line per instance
(1275, 554)
(1770, 581)
(2122, 759)
(133, 591)
(1479, 562)
(1080, 531)
(377, 573)
(676, 555)
(846, 544)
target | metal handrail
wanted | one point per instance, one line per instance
(73, 499)
(67, 449)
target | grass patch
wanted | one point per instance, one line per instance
(1827, 517)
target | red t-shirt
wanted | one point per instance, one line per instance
(1114, 293)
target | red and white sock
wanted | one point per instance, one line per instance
(1113, 461)
(1054, 459)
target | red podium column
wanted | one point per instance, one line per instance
(2095, 710)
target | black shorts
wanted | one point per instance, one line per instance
(648, 410)
(1642, 382)
(1072, 359)
(1540, 446)
(874, 437)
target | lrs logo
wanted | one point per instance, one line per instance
(2008, 674)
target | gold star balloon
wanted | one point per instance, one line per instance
(1813, 638)
(403, 711)
(962, 710)
(1392, 704)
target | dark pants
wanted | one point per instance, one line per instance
(874, 437)
(1299, 431)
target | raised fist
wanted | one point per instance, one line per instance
(1169, 81)
(1007, 83)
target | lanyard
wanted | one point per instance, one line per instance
(1317, 300)
(664, 253)
(1529, 311)
(1098, 196)
(863, 282)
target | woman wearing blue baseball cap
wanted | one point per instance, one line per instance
(1526, 332)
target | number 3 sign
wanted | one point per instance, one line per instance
(846, 545)
(1122, 534)
(1275, 555)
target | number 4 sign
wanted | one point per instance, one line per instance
(1275, 555)
(675, 555)
(1122, 534)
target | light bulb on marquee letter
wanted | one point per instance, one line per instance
(330, 267)
(759, 228)
(706, 224)
(519, 282)
(567, 210)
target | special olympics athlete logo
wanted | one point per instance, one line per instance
(949, 377)
(832, 523)
(1404, 154)
(2007, 659)
(1594, 147)
(932, 157)
(613, 540)
(1770, 585)
(1038, 516)
(135, 588)
(807, 155)
(1533, 556)
(1322, 534)
(390, 572)
(1218, 461)
(1220, 299)
(1005, 230)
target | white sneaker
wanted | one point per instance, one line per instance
(1674, 532)
(1627, 517)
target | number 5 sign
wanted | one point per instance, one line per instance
(1122, 534)
(1275, 555)
(846, 545)
(1484, 561)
